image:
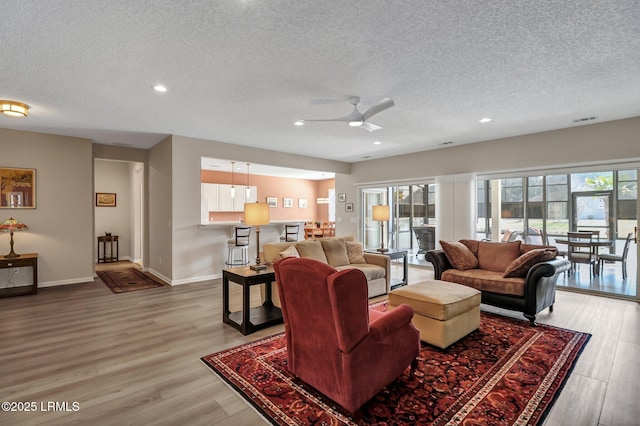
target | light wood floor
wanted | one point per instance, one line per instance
(133, 358)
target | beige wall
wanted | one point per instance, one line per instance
(161, 191)
(611, 142)
(61, 225)
(199, 254)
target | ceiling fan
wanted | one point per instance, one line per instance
(358, 119)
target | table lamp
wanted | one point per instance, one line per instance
(256, 214)
(381, 214)
(11, 225)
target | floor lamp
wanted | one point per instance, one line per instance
(381, 214)
(256, 214)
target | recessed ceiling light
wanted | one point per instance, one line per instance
(299, 123)
(159, 88)
(377, 143)
(486, 120)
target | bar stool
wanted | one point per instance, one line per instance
(240, 241)
(290, 233)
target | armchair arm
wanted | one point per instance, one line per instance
(540, 284)
(439, 261)
(383, 261)
(391, 322)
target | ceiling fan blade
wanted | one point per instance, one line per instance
(370, 127)
(354, 116)
(379, 107)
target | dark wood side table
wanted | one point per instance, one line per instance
(249, 319)
(25, 260)
(104, 239)
(394, 255)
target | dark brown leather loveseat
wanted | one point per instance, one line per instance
(512, 280)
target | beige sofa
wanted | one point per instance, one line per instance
(338, 252)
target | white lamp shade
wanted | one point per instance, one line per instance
(380, 213)
(256, 214)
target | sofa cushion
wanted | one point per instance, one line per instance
(271, 251)
(290, 252)
(459, 255)
(371, 272)
(335, 250)
(311, 249)
(521, 265)
(483, 280)
(497, 256)
(355, 252)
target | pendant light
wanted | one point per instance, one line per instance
(247, 193)
(233, 188)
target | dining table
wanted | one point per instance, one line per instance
(594, 246)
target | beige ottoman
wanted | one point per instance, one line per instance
(444, 312)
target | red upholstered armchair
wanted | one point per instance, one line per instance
(335, 343)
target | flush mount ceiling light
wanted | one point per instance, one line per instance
(14, 109)
(486, 120)
(299, 123)
(377, 143)
(159, 88)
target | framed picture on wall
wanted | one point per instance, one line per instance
(18, 188)
(287, 202)
(342, 197)
(105, 199)
(348, 207)
(302, 203)
(272, 201)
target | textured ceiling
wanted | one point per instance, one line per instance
(242, 71)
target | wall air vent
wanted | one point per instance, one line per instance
(584, 119)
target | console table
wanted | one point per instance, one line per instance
(104, 239)
(249, 319)
(24, 261)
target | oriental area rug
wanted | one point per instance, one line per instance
(505, 373)
(129, 279)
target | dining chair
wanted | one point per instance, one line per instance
(290, 233)
(328, 229)
(577, 242)
(607, 257)
(239, 241)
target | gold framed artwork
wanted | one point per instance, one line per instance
(17, 188)
(105, 199)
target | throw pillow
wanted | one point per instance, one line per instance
(497, 256)
(290, 252)
(355, 252)
(311, 249)
(459, 255)
(472, 245)
(335, 250)
(520, 266)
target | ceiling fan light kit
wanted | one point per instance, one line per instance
(358, 119)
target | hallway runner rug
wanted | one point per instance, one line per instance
(506, 373)
(125, 280)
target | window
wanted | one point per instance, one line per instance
(512, 208)
(557, 222)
